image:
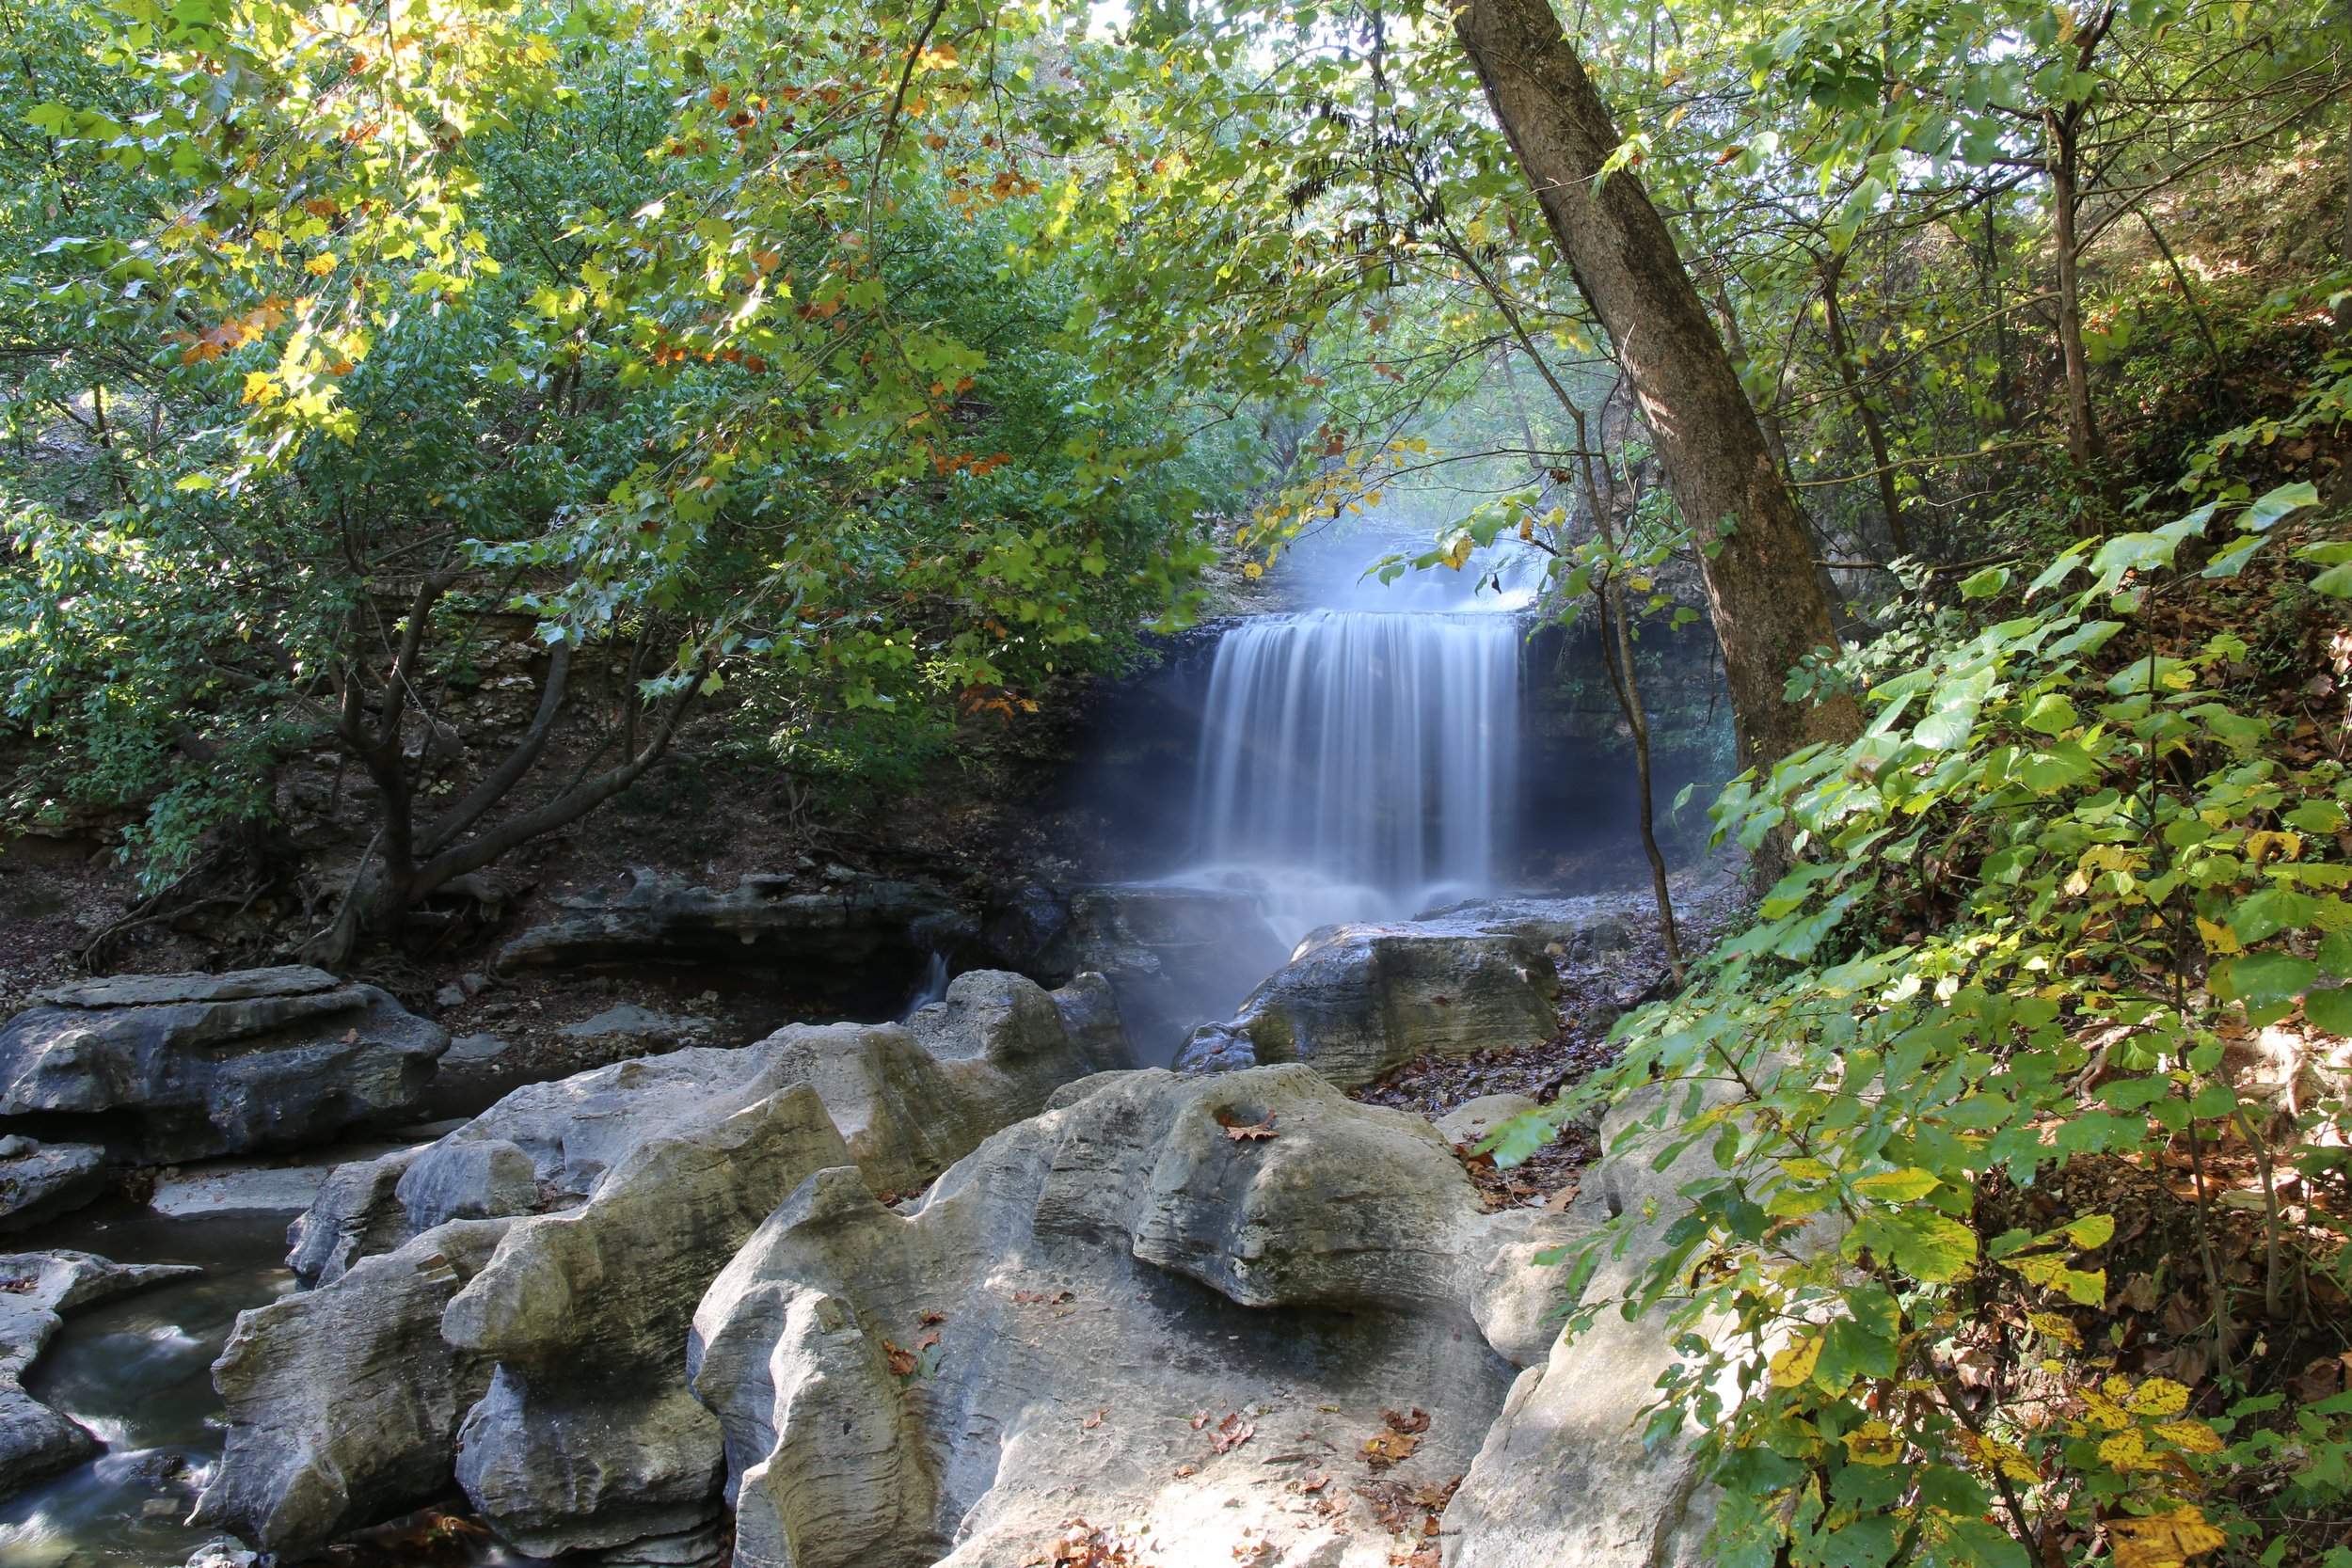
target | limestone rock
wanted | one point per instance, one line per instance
(1356, 1002)
(1470, 1121)
(1564, 1475)
(40, 1181)
(36, 1287)
(826, 940)
(180, 1067)
(614, 1197)
(344, 1402)
(1123, 1309)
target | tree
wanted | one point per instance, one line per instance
(1765, 597)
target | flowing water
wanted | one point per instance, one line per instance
(1359, 764)
(138, 1372)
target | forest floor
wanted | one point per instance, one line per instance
(1597, 988)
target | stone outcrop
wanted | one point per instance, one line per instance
(1188, 1302)
(168, 1068)
(1356, 1002)
(40, 1181)
(1564, 1475)
(509, 1306)
(828, 940)
(36, 1442)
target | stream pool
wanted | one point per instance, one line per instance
(138, 1372)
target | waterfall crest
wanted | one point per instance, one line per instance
(1359, 764)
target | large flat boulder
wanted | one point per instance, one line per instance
(1208, 1308)
(828, 940)
(35, 1289)
(168, 1068)
(1356, 1002)
(546, 1375)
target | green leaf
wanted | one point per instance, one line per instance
(2262, 978)
(2285, 501)
(2329, 1010)
(1984, 584)
(1922, 1242)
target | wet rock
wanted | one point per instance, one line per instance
(36, 1287)
(236, 1188)
(180, 1067)
(40, 1181)
(635, 1021)
(831, 940)
(1122, 1309)
(1358, 1002)
(475, 1051)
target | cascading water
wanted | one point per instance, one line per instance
(1359, 764)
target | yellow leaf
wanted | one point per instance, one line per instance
(1251, 570)
(2163, 1540)
(320, 265)
(2194, 1435)
(1874, 1443)
(1793, 1366)
(2218, 938)
(2055, 1327)
(1896, 1187)
(2159, 1396)
(2126, 1450)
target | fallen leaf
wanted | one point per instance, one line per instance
(1389, 1446)
(1231, 1433)
(1255, 1131)
(903, 1361)
(1314, 1481)
(930, 1317)
(1090, 1422)
(1417, 1421)
(351, 1037)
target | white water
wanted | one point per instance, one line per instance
(1359, 764)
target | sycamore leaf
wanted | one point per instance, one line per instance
(2285, 501)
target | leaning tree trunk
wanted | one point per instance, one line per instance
(2082, 424)
(1768, 606)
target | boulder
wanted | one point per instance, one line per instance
(36, 1442)
(1184, 1302)
(1358, 1002)
(168, 1068)
(831, 941)
(1469, 1123)
(545, 1374)
(344, 1402)
(40, 1181)
(1565, 1476)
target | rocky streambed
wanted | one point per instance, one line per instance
(972, 1289)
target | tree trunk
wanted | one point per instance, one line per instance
(2082, 429)
(1768, 607)
(1849, 380)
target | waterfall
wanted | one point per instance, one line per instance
(1359, 764)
